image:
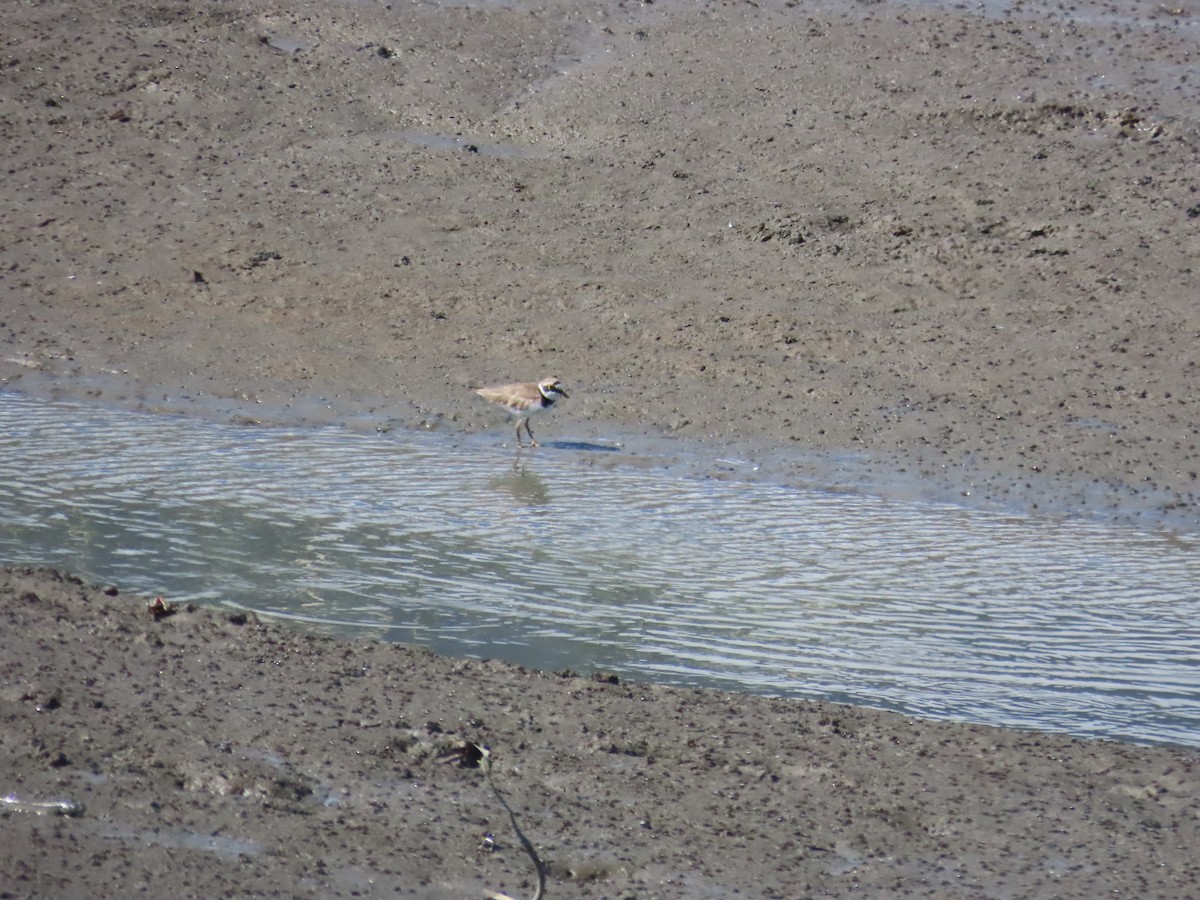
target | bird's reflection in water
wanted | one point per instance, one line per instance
(524, 485)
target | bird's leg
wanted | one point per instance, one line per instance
(519, 444)
(532, 440)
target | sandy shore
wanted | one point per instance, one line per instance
(959, 247)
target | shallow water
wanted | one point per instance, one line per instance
(565, 558)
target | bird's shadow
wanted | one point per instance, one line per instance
(581, 446)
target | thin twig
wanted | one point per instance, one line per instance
(525, 842)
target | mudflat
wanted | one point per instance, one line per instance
(960, 244)
(199, 753)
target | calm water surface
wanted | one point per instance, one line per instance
(558, 561)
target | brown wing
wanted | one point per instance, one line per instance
(517, 396)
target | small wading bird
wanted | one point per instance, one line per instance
(524, 400)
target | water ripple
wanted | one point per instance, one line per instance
(929, 609)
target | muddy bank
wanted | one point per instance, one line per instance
(205, 753)
(962, 244)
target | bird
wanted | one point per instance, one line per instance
(524, 400)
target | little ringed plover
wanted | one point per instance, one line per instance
(524, 400)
